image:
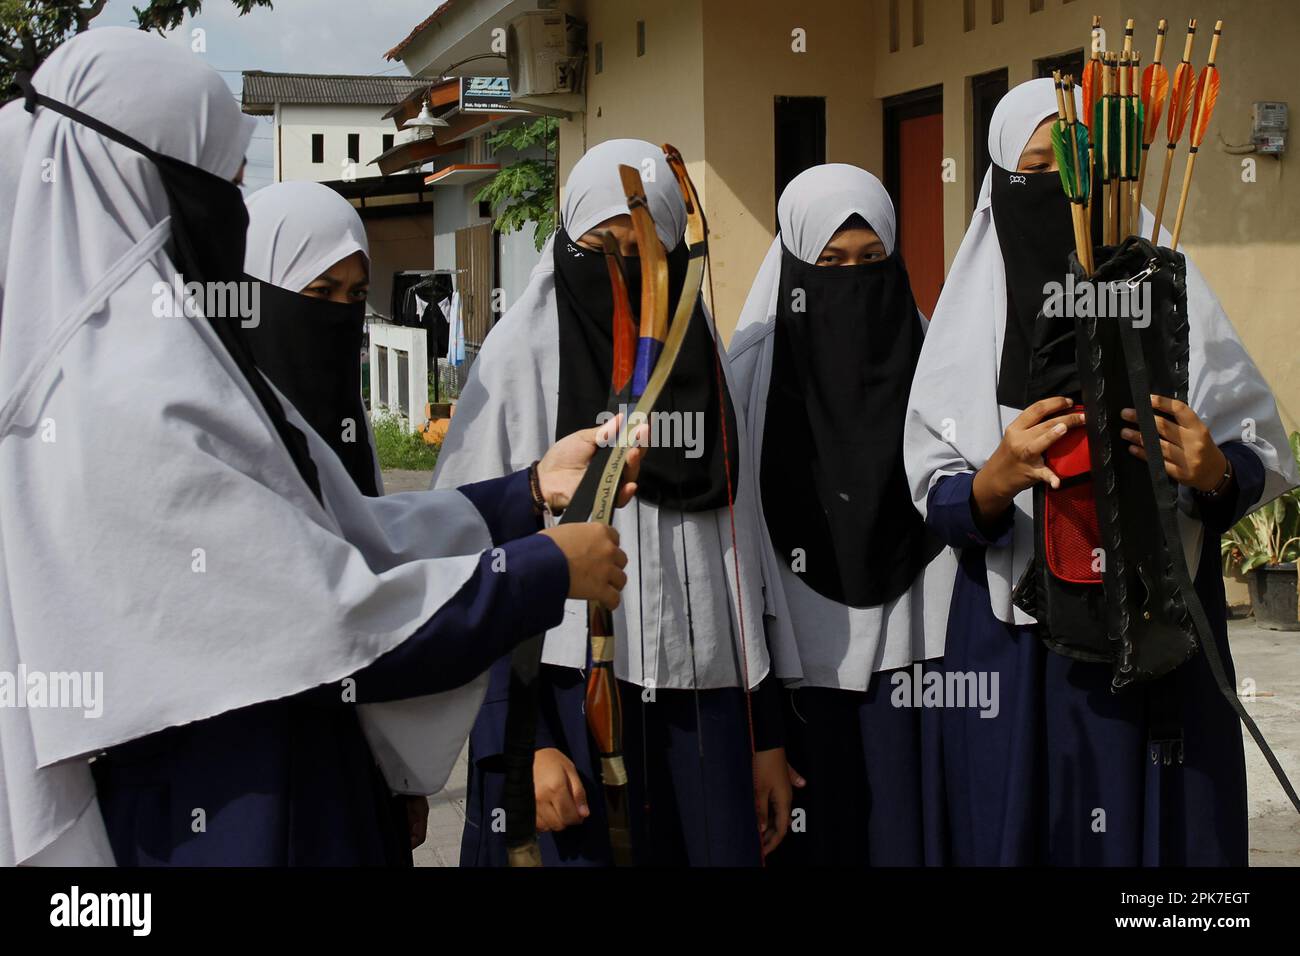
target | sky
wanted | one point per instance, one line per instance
(297, 36)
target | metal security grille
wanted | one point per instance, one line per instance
(474, 280)
(404, 383)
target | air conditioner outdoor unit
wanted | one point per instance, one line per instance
(545, 54)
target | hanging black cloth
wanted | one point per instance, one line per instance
(1036, 236)
(209, 224)
(585, 303)
(311, 350)
(832, 475)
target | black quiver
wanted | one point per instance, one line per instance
(1133, 605)
(1109, 581)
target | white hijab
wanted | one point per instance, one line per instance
(298, 230)
(505, 420)
(954, 420)
(154, 530)
(816, 640)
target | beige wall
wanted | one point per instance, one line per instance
(654, 97)
(707, 84)
(1244, 236)
(748, 62)
(713, 67)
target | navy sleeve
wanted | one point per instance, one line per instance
(506, 505)
(765, 706)
(1221, 513)
(517, 590)
(950, 514)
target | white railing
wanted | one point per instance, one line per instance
(399, 372)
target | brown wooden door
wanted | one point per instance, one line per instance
(474, 280)
(913, 175)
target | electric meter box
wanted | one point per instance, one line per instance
(1269, 127)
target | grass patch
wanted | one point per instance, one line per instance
(399, 449)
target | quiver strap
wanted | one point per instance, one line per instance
(1136, 349)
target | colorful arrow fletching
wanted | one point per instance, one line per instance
(1108, 144)
(1181, 96)
(1081, 164)
(1067, 168)
(1091, 89)
(1207, 94)
(1155, 90)
(1134, 139)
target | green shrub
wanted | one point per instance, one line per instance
(398, 448)
(1270, 535)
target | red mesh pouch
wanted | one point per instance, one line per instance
(1071, 534)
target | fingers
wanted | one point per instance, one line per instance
(1174, 468)
(1170, 431)
(1044, 474)
(605, 434)
(1036, 412)
(1169, 450)
(796, 779)
(1181, 411)
(1042, 437)
(626, 493)
(632, 461)
(577, 792)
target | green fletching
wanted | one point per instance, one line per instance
(1098, 124)
(1085, 184)
(1135, 138)
(1061, 147)
(1112, 142)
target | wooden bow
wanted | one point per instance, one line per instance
(657, 348)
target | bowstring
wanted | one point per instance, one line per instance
(690, 639)
(641, 704)
(735, 549)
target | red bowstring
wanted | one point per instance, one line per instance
(735, 556)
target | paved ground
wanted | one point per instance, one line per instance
(399, 479)
(1268, 664)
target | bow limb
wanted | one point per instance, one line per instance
(603, 706)
(519, 796)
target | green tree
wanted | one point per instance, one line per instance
(524, 191)
(30, 30)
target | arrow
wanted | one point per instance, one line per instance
(1207, 94)
(1180, 104)
(1155, 89)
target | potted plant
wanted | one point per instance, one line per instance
(1264, 547)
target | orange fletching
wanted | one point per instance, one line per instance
(1180, 101)
(1155, 90)
(1091, 90)
(1207, 94)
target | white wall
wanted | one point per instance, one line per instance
(518, 257)
(298, 123)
